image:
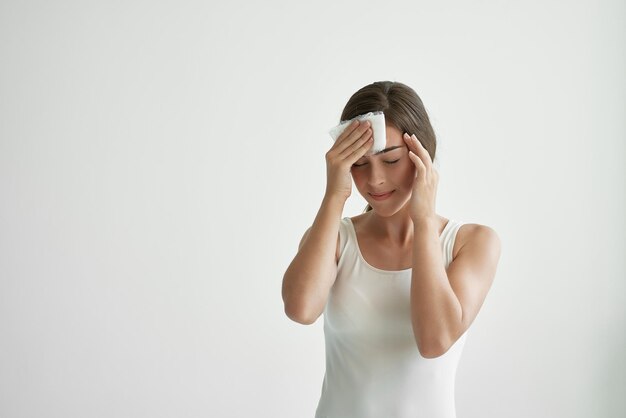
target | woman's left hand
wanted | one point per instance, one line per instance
(422, 204)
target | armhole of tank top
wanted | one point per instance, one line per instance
(342, 239)
(453, 234)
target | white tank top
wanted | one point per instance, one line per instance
(373, 366)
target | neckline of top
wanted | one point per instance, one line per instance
(358, 249)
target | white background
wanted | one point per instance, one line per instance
(160, 161)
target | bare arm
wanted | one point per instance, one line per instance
(312, 272)
(444, 303)
(444, 300)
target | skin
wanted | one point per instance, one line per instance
(390, 221)
(402, 231)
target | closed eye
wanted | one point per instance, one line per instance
(386, 162)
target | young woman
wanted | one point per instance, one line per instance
(399, 285)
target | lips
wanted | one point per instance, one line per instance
(383, 196)
(380, 194)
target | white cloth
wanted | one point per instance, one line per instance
(373, 366)
(377, 120)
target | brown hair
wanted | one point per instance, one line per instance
(402, 107)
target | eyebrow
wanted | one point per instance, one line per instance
(389, 149)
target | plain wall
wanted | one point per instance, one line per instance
(160, 161)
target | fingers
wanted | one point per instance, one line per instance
(360, 144)
(360, 151)
(355, 124)
(346, 143)
(418, 149)
(421, 168)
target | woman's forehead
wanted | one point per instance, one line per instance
(392, 128)
(394, 142)
(394, 136)
(392, 149)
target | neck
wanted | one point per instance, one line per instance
(396, 229)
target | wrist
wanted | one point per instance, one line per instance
(424, 221)
(334, 200)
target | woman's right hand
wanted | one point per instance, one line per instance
(351, 145)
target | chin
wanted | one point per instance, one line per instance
(384, 210)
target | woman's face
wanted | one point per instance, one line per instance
(392, 171)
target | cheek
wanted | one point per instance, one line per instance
(409, 166)
(408, 173)
(360, 179)
(357, 176)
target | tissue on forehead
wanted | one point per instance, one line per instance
(377, 119)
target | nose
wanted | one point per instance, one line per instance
(376, 175)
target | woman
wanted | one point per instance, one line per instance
(403, 284)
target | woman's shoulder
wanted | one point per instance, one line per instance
(473, 232)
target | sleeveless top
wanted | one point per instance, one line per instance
(373, 366)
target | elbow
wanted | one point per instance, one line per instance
(433, 349)
(300, 316)
(299, 307)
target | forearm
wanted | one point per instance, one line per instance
(312, 272)
(436, 312)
